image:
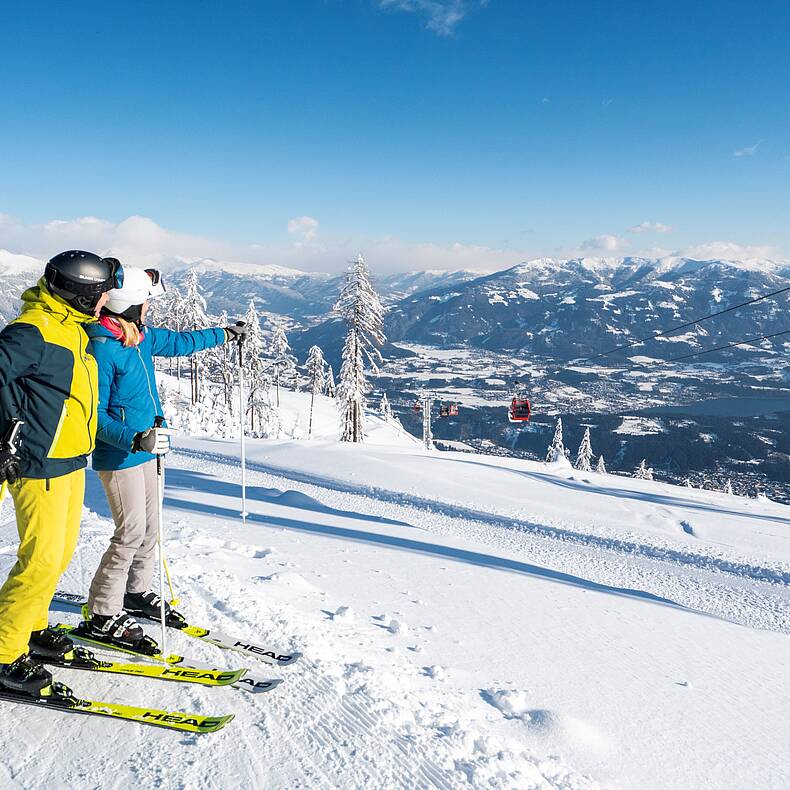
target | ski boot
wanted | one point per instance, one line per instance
(49, 643)
(117, 630)
(26, 675)
(147, 604)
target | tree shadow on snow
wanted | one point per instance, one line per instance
(425, 548)
(187, 479)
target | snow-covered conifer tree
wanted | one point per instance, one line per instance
(556, 449)
(223, 366)
(284, 362)
(168, 311)
(315, 370)
(194, 317)
(352, 390)
(643, 471)
(600, 467)
(329, 388)
(360, 306)
(254, 344)
(385, 408)
(728, 488)
(585, 454)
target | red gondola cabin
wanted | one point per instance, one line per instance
(519, 410)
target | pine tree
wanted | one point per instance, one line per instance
(385, 408)
(556, 449)
(585, 454)
(254, 375)
(223, 367)
(169, 311)
(329, 389)
(194, 317)
(360, 307)
(352, 389)
(600, 467)
(728, 489)
(284, 362)
(315, 369)
(643, 471)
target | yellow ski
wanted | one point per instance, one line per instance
(60, 697)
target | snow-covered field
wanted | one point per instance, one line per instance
(466, 621)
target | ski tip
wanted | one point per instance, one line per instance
(257, 685)
(291, 658)
(193, 630)
(216, 723)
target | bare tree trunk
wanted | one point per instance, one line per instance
(310, 423)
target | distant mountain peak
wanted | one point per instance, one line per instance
(12, 262)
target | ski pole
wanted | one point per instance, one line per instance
(241, 425)
(160, 495)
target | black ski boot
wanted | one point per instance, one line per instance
(119, 629)
(25, 675)
(49, 643)
(147, 604)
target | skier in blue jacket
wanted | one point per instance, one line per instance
(127, 444)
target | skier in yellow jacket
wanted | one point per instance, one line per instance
(48, 407)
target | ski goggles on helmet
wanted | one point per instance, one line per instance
(116, 273)
(157, 283)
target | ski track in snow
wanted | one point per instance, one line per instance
(356, 711)
(720, 587)
(335, 722)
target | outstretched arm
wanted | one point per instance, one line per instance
(166, 343)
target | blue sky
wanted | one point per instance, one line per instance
(428, 132)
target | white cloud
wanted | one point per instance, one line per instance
(750, 150)
(140, 241)
(606, 242)
(306, 227)
(729, 250)
(441, 15)
(650, 227)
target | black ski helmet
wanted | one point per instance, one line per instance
(80, 278)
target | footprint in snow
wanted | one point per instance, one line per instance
(246, 550)
(687, 528)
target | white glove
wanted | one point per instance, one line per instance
(154, 440)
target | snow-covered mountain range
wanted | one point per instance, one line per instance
(578, 307)
(556, 309)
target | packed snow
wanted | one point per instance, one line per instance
(465, 621)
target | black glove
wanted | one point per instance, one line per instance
(236, 332)
(9, 466)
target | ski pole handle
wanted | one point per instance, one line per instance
(10, 440)
(159, 421)
(241, 339)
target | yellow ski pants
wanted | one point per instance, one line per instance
(48, 514)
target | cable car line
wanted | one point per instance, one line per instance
(731, 345)
(686, 325)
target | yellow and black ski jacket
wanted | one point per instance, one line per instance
(50, 381)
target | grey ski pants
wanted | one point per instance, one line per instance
(129, 562)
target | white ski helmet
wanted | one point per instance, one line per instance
(138, 286)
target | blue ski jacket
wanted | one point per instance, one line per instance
(128, 400)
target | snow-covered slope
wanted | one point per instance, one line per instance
(17, 272)
(466, 621)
